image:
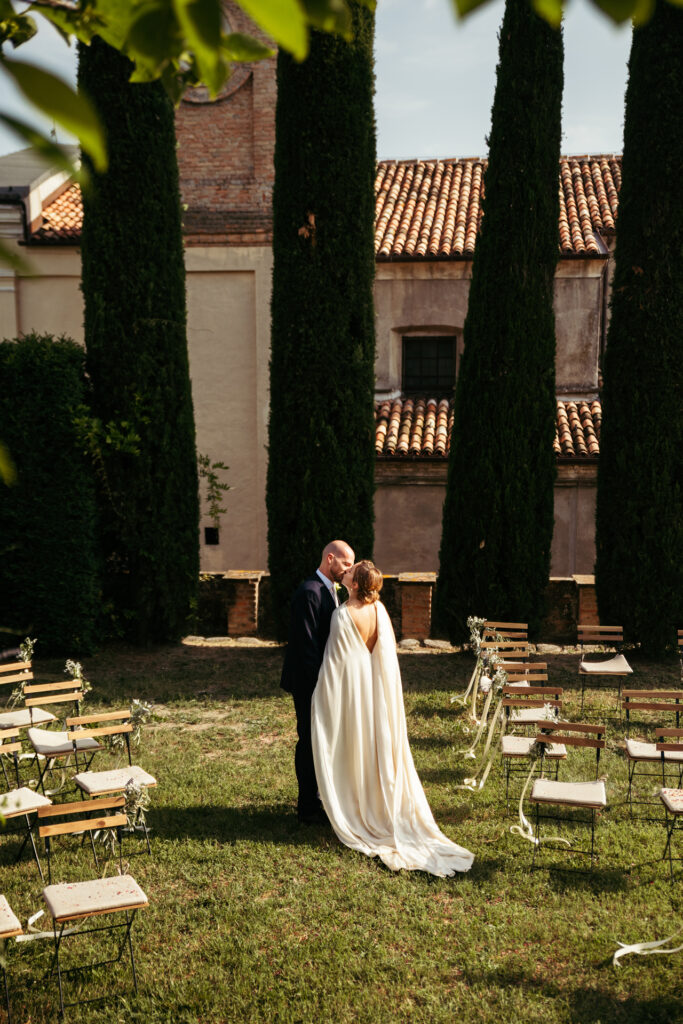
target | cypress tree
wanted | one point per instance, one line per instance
(639, 520)
(498, 512)
(135, 332)
(321, 440)
(48, 520)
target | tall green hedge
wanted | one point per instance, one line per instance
(498, 511)
(48, 530)
(135, 334)
(639, 521)
(321, 441)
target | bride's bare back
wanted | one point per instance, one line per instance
(365, 620)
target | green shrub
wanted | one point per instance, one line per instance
(48, 538)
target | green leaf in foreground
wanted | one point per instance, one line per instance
(7, 470)
(55, 98)
(238, 46)
(54, 155)
(283, 20)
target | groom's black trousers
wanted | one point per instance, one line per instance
(303, 756)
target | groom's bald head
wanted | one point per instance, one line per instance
(336, 559)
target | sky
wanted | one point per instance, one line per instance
(435, 79)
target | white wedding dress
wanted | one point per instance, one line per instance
(365, 772)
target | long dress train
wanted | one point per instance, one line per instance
(365, 772)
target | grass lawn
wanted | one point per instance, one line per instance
(253, 918)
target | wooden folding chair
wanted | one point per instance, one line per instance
(507, 630)
(18, 804)
(54, 748)
(641, 753)
(614, 668)
(590, 796)
(20, 673)
(670, 742)
(507, 650)
(10, 927)
(72, 903)
(113, 780)
(528, 706)
(523, 674)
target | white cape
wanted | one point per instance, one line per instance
(363, 764)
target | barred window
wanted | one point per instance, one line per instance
(429, 366)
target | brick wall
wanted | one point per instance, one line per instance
(238, 604)
(225, 152)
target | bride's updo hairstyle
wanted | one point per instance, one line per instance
(369, 580)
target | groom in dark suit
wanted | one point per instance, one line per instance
(312, 605)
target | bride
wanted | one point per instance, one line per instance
(365, 772)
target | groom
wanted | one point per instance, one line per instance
(312, 607)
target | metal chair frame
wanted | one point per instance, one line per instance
(8, 933)
(67, 692)
(666, 744)
(118, 723)
(9, 749)
(592, 736)
(116, 822)
(530, 697)
(612, 636)
(659, 702)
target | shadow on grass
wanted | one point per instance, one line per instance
(431, 743)
(587, 1004)
(568, 878)
(424, 709)
(276, 824)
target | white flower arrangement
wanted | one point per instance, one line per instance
(26, 649)
(75, 670)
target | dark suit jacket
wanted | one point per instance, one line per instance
(309, 628)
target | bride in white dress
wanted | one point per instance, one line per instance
(363, 765)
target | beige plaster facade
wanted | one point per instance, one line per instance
(430, 297)
(228, 302)
(410, 494)
(228, 298)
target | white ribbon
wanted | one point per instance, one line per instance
(463, 699)
(525, 829)
(34, 933)
(645, 948)
(472, 783)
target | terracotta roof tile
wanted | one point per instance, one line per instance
(63, 218)
(433, 208)
(422, 427)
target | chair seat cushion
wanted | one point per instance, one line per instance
(52, 743)
(573, 794)
(639, 751)
(519, 746)
(22, 801)
(616, 666)
(532, 714)
(9, 922)
(112, 781)
(672, 800)
(69, 900)
(24, 717)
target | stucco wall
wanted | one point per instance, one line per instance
(228, 300)
(409, 498)
(229, 344)
(431, 297)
